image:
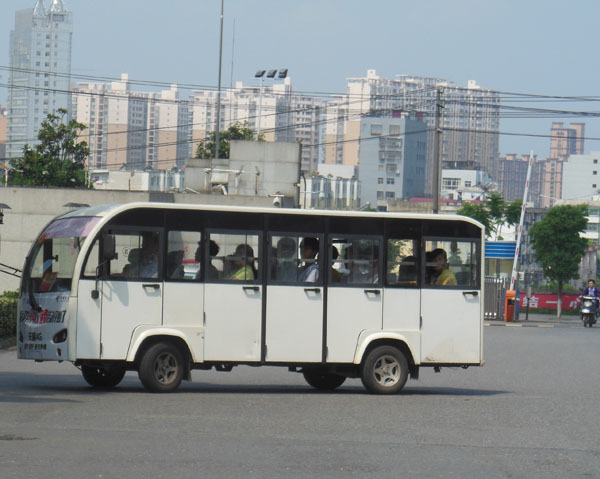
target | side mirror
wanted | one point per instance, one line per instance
(108, 248)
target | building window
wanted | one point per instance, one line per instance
(380, 195)
(595, 162)
(390, 195)
(376, 130)
(380, 181)
(395, 130)
(390, 181)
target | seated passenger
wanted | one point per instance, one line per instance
(439, 274)
(174, 264)
(336, 277)
(309, 272)
(149, 259)
(285, 266)
(242, 261)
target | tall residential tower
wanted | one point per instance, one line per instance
(40, 69)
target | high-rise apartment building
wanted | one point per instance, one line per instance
(469, 120)
(391, 158)
(275, 110)
(131, 129)
(40, 68)
(566, 141)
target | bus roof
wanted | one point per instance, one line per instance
(111, 209)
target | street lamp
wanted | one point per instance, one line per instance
(261, 75)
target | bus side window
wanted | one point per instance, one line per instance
(138, 255)
(402, 262)
(183, 255)
(355, 261)
(452, 263)
(234, 257)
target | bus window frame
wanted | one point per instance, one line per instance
(259, 257)
(378, 284)
(299, 235)
(442, 239)
(200, 277)
(419, 253)
(116, 229)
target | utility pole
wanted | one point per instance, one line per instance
(218, 125)
(436, 152)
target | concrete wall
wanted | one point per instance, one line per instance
(32, 208)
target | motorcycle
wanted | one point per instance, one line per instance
(588, 310)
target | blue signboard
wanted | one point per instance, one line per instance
(500, 249)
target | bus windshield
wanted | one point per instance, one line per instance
(52, 260)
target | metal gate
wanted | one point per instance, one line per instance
(495, 289)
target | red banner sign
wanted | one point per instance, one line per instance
(549, 300)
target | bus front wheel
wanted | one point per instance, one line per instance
(102, 376)
(161, 368)
(320, 379)
(384, 370)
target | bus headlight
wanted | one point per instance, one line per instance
(60, 337)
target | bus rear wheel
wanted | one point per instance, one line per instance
(321, 379)
(384, 370)
(161, 368)
(103, 376)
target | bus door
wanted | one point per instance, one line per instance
(294, 324)
(354, 295)
(233, 297)
(132, 289)
(451, 302)
(402, 306)
(183, 291)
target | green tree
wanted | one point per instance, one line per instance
(478, 212)
(558, 245)
(494, 214)
(58, 159)
(238, 131)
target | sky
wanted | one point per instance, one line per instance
(535, 47)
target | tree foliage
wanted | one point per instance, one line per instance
(238, 131)
(58, 160)
(494, 213)
(558, 245)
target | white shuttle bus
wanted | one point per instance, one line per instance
(163, 289)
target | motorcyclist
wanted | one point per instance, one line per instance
(592, 290)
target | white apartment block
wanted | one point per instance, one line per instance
(581, 177)
(284, 115)
(467, 113)
(132, 129)
(40, 67)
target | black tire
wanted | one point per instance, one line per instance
(103, 376)
(323, 380)
(384, 370)
(161, 368)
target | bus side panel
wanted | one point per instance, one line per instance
(233, 322)
(125, 306)
(183, 309)
(402, 312)
(451, 330)
(402, 309)
(183, 304)
(294, 324)
(349, 312)
(89, 313)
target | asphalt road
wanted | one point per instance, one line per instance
(529, 412)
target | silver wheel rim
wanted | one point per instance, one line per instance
(165, 368)
(386, 371)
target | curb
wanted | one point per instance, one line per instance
(7, 343)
